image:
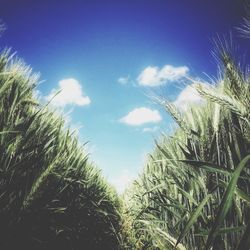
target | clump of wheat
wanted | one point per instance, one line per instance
(51, 195)
(194, 189)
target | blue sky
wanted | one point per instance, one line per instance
(107, 56)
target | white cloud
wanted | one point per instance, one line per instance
(139, 116)
(188, 96)
(122, 181)
(123, 80)
(150, 130)
(153, 76)
(70, 93)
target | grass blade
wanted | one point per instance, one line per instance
(226, 202)
(193, 219)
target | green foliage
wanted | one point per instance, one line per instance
(194, 190)
(51, 195)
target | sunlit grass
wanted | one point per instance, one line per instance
(194, 191)
(51, 195)
(192, 194)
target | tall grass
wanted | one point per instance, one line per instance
(51, 195)
(194, 190)
(192, 194)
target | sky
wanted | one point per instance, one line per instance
(109, 58)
